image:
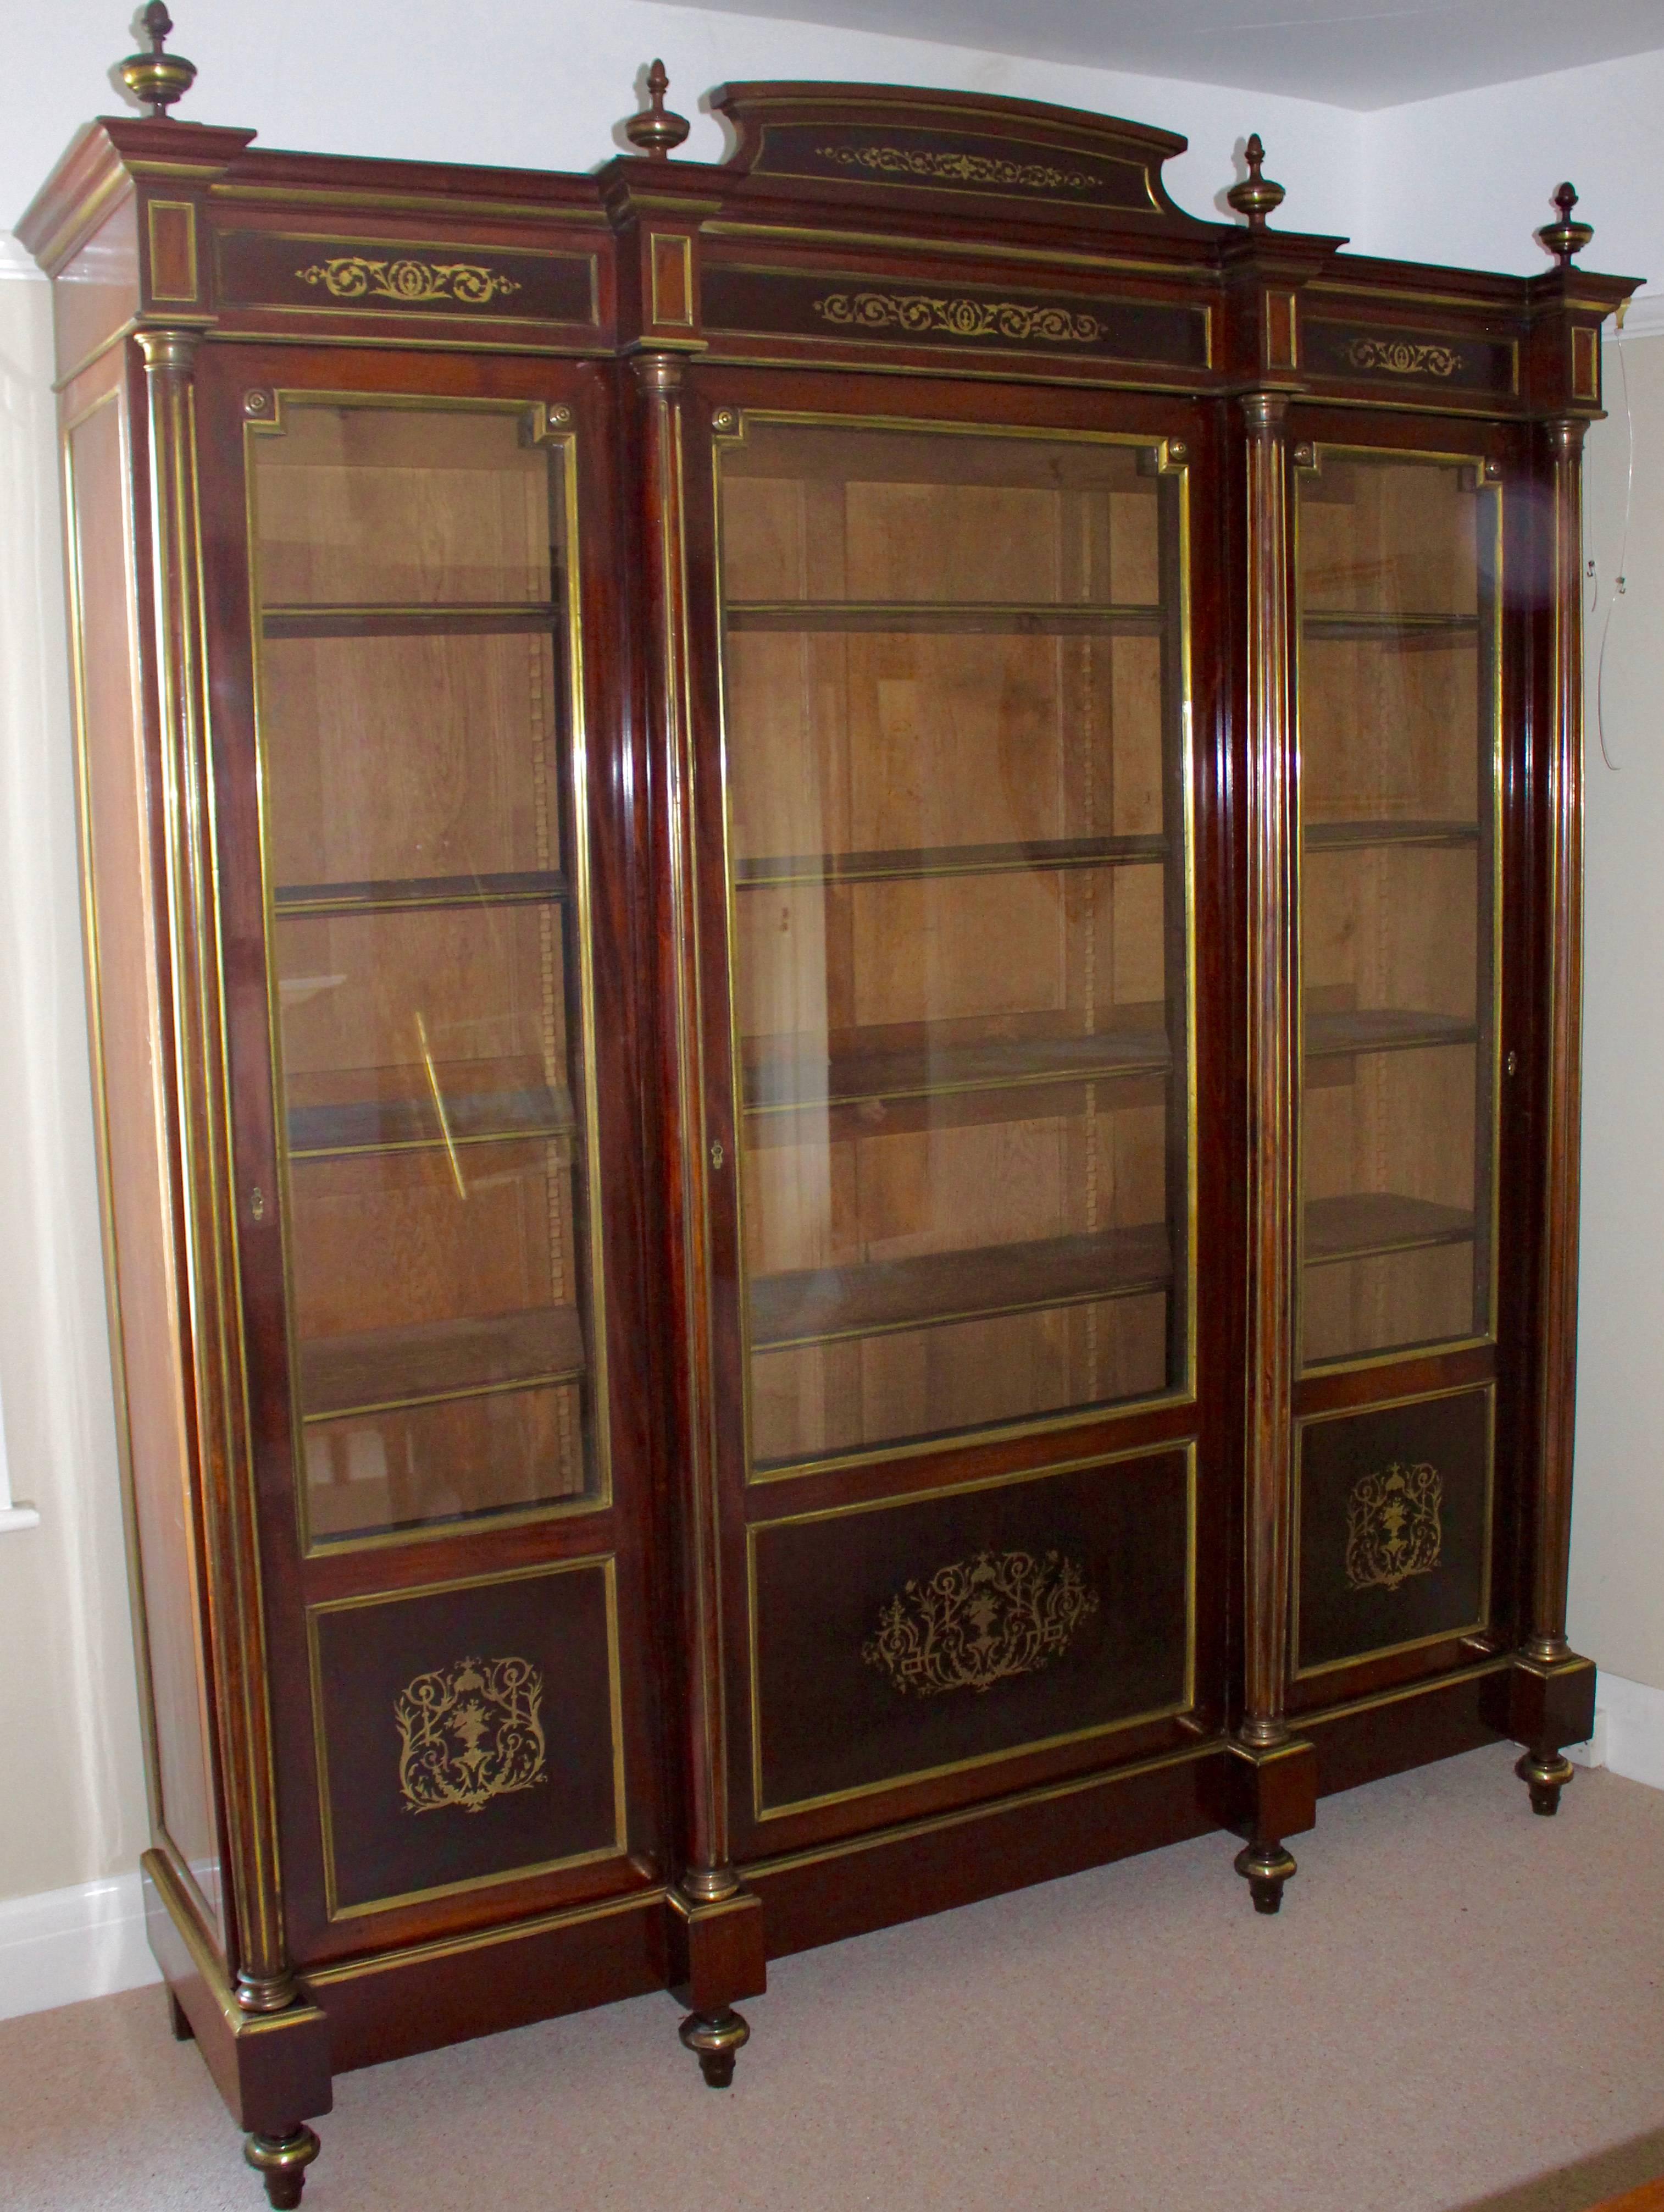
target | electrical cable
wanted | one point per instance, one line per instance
(1620, 589)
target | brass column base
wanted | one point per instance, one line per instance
(1545, 1777)
(1266, 1868)
(715, 2039)
(281, 2163)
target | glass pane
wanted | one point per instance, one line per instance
(955, 716)
(426, 947)
(1397, 754)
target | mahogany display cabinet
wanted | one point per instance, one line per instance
(833, 928)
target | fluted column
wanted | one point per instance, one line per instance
(264, 1981)
(1272, 1015)
(708, 1875)
(1563, 853)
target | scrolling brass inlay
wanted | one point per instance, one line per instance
(958, 168)
(979, 1621)
(959, 319)
(1403, 356)
(1393, 1527)
(412, 283)
(470, 1732)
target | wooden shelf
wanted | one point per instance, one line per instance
(405, 894)
(328, 1130)
(777, 1083)
(817, 1305)
(961, 617)
(1363, 625)
(384, 1368)
(1384, 1029)
(1347, 837)
(455, 619)
(908, 864)
(1366, 1223)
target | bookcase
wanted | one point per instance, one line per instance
(833, 939)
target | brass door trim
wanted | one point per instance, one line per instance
(575, 779)
(1046, 1793)
(891, 1784)
(391, 1959)
(335, 1911)
(1492, 631)
(1182, 1391)
(1430, 1685)
(1488, 1390)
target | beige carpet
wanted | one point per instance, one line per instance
(1460, 2006)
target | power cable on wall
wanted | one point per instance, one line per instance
(1620, 588)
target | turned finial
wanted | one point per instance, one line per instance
(658, 131)
(1566, 238)
(156, 77)
(1256, 197)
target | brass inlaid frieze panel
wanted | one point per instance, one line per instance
(948, 166)
(1471, 361)
(1403, 356)
(300, 272)
(978, 1621)
(469, 1733)
(413, 283)
(849, 305)
(961, 317)
(1393, 1528)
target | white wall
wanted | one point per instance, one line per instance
(543, 86)
(1617, 1528)
(68, 1741)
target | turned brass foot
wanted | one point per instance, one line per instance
(1266, 1868)
(1545, 1778)
(714, 2039)
(282, 2162)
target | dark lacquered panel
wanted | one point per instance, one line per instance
(959, 161)
(467, 1732)
(1412, 360)
(895, 1640)
(1394, 1522)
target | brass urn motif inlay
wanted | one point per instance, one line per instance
(469, 1733)
(980, 1621)
(957, 168)
(412, 283)
(926, 317)
(1393, 1526)
(1403, 356)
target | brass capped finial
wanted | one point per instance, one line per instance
(1566, 238)
(1256, 197)
(658, 131)
(156, 77)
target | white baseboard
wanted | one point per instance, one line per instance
(1635, 1729)
(67, 1944)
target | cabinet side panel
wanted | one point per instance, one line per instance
(126, 960)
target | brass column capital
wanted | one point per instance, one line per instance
(659, 374)
(1265, 411)
(170, 349)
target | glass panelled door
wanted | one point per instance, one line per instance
(426, 874)
(1398, 589)
(955, 724)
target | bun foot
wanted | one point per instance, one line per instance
(282, 2162)
(1546, 1778)
(1266, 1868)
(714, 2039)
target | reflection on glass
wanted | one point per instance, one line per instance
(1397, 577)
(954, 707)
(415, 748)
